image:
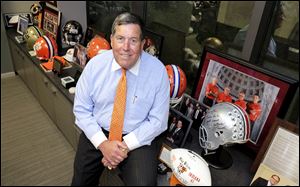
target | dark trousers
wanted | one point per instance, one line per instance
(138, 169)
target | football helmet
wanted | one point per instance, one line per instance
(45, 47)
(224, 123)
(189, 168)
(35, 9)
(72, 33)
(31, 35)
(213, 42)
(178, 83)
(96, 46)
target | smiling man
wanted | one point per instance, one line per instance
(145, 112)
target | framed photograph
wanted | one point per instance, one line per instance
(153, 44)
(291, 148)
(11, 19)
(265, 94)
(22, 25)
(51, 21)
(80, 55)
(178, 129)
(90, 33)
(164, 154)
(192, 109)
(265, 174)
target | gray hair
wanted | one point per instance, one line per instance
(128, 18)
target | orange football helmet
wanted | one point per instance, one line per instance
(177, 82)
(97, 45)
(45, 47)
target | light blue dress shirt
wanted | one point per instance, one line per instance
(147, 102)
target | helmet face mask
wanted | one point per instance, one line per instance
(224, 123)
(72, 33)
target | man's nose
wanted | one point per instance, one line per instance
(126, 45)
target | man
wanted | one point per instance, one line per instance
(177, 135)
(241, 101)
(211, 92)
(145, 116)
(263, 182)
(172, 125)
(224, 96)
(254, 109)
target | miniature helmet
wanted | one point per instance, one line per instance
(69, 56)
(72, 33)
(224, 123)
(189, 168)
(35, 9)
(31, 35)
(213, 42)
(45, 47)
(97, 45)
(177, 83)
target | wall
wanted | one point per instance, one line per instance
(75, 10)
(10, 7)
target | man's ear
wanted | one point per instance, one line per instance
(143, 43)
(111, 39)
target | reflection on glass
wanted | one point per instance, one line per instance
(101, 14)
(285, 40)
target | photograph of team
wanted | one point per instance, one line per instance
(225, 84)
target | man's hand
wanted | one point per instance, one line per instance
(113, 152)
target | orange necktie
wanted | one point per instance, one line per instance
(117, 119)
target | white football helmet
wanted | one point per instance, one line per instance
(189, 168)
(224, 123)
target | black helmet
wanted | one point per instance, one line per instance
(72, 33)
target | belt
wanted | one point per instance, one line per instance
(107, 133)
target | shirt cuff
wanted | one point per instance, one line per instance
(98, 138)
(131, 141)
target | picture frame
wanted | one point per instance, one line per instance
(8, 16)
(264, 173)
(153, 43)
(51, 20)
(278, 123)
(22, 25)
(173, 137)
(80, 55)
(164, 154)
(192, 109)
(275, 91)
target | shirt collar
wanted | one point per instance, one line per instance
(135, 69)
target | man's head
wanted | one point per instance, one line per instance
(214, 80)
(179, 124)
(274, 179)
(241, 96)
(255, 98)
(127, 39)
(279, 16)
(227, 90)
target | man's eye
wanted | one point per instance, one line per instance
(120, 38)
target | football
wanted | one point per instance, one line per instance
(190, 168)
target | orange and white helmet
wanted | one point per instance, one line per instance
(45, 47)
(177, 83)
(188, 168)
(96, 46)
